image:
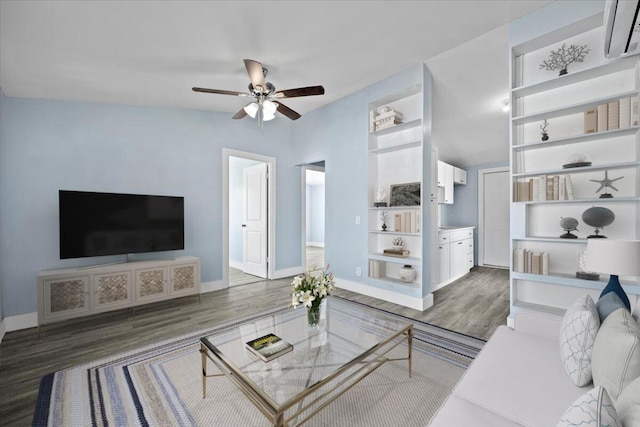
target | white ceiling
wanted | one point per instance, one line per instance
(153, 52)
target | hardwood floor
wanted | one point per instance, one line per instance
(474, 305)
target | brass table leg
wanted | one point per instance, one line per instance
(409, 346)
(204, 370)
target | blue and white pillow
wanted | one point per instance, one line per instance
(578, 331)
(607, 304)
(592, 409)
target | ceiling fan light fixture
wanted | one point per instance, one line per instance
(269, 108)
(251, 109)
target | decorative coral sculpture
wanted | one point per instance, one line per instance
(561, 58)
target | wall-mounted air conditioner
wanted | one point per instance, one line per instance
(622, 28)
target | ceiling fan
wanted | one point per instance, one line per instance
(266, 98)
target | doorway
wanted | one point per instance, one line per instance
(313, 185)
(247, 216)
(493, 222)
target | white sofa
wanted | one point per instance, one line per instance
(518, 379)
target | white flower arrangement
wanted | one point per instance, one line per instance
(311, 288)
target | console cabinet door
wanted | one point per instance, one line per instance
(66, 297)
(458, 261)
(184, 279)
(152, 284)
(112, 290)
(444, 273)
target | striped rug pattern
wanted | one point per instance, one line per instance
(160, 385)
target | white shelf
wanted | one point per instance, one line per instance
(396, 208)
(612, 66)
(398, 128)
(413, 90)
(566, 171)
(593, 200)
(577, 139)
(394, 233)
(556, 311)
(569, 109)
(570, 280)
(393, 148)
(551, 239)
(409, 260)
(409, 287)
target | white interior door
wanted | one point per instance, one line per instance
(254, 235)
(495, 245)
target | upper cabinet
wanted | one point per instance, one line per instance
(449, 175)
(570, 133)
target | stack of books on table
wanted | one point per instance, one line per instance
(526, 261)
(269, 347)
(543, 188)
(402, 253)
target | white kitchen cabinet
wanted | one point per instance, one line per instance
(459, 176)
(455, 254)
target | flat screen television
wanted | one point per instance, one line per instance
(97, 224)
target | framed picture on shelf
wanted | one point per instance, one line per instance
(405, 194)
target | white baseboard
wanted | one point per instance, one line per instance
(2, 330)
(288, 272)
(316, 244)
(212, 286)
(236, 264)
(21, 321)
(405, 300)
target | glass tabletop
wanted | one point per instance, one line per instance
(349, 333)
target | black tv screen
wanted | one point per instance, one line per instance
(96, 224)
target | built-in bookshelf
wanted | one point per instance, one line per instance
(566, 103)
(401, 160)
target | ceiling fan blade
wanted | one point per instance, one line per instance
(256, 75)
(284, 110)
(219, 91)
(301, 91)
(240, 114)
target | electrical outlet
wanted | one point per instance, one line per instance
(358, 271)
(357, 220)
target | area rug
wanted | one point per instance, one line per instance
(160, 385)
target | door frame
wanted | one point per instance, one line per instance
(303, 223)
(271, 209)
(481, 174)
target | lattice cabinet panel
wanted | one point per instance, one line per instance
(183, 278)
(111, 290)
(66, 297)
(151, 284)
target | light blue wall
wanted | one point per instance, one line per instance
(236, 166)
(464, 210)
(338, 134)
(52, 145)
(315, 213)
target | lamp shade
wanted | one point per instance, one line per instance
(619, 257)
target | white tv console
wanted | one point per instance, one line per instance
(75, 292)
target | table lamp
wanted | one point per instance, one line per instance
(617, 258)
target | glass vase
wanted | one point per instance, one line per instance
(313, 318)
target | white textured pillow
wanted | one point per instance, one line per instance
(628, 404)
(580, 325)
(616, 353)
(636, 311)
(592, 409)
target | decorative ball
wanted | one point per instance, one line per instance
(598, 217)
(569, 223)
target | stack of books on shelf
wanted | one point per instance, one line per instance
(384, 120)
(543, 188)
(526, 261)
(401, 253)
(407, 222)
(613, 115)
(377, 269)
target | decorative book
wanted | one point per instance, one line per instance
(396, 252)
(269, 347)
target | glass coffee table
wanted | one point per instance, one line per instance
(353, 341)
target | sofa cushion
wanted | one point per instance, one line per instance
(616, 353)
(614, 286)
(607, 304)
(457, 411)
(592, 409)
(628, 404)
(577, 334)
(636, 311)
(517, 374)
